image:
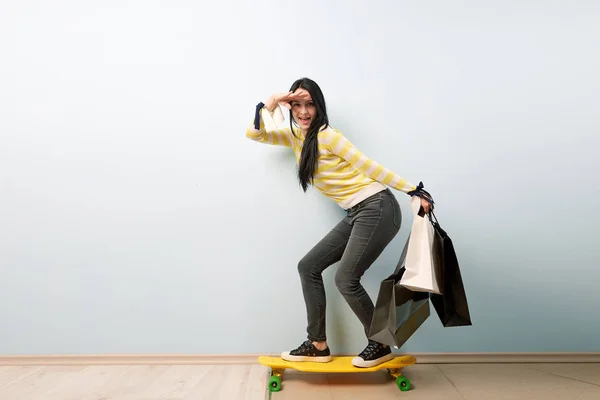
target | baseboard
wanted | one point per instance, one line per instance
(129, 359)
(245, 359)
(513, 358)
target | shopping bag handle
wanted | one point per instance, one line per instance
(433, 220)
(419, 191)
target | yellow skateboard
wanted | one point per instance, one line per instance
(337, 364)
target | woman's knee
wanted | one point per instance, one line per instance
(346, 284)
(305, 267)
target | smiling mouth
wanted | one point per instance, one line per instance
(304, 120)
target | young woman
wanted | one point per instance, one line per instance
(329, 162)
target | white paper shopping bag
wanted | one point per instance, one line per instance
(422, 274)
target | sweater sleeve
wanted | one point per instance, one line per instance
(269, 132)
(342, 147)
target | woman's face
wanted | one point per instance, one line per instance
(303, 109)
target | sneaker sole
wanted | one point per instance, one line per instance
(360, 363)
(288, 357)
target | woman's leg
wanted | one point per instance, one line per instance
(375, 222)
(326, 252)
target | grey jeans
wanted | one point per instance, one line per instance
(356, 242)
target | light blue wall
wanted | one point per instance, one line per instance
(135, 216)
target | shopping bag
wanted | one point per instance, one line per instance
(399, 311)
(451, 306)
(423, 264)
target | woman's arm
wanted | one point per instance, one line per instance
(270, 135)
(342, 147)
(257, 130)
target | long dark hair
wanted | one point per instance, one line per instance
(310, 148)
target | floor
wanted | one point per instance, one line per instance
(139, 382)
(249, 382)
(453, 382)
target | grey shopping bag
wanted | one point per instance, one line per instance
(399, 311)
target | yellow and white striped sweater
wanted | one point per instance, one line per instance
(343, 173)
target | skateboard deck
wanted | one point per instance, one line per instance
(336, 365)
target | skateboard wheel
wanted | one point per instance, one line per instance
(403, 383)
(275, 384)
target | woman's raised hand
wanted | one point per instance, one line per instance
(285, 99)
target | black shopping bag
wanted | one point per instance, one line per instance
(399, 311)
(451, 306)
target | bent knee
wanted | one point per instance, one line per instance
(305, 268)
(346, 284)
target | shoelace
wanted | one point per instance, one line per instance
(371, 349)
(304, 346)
